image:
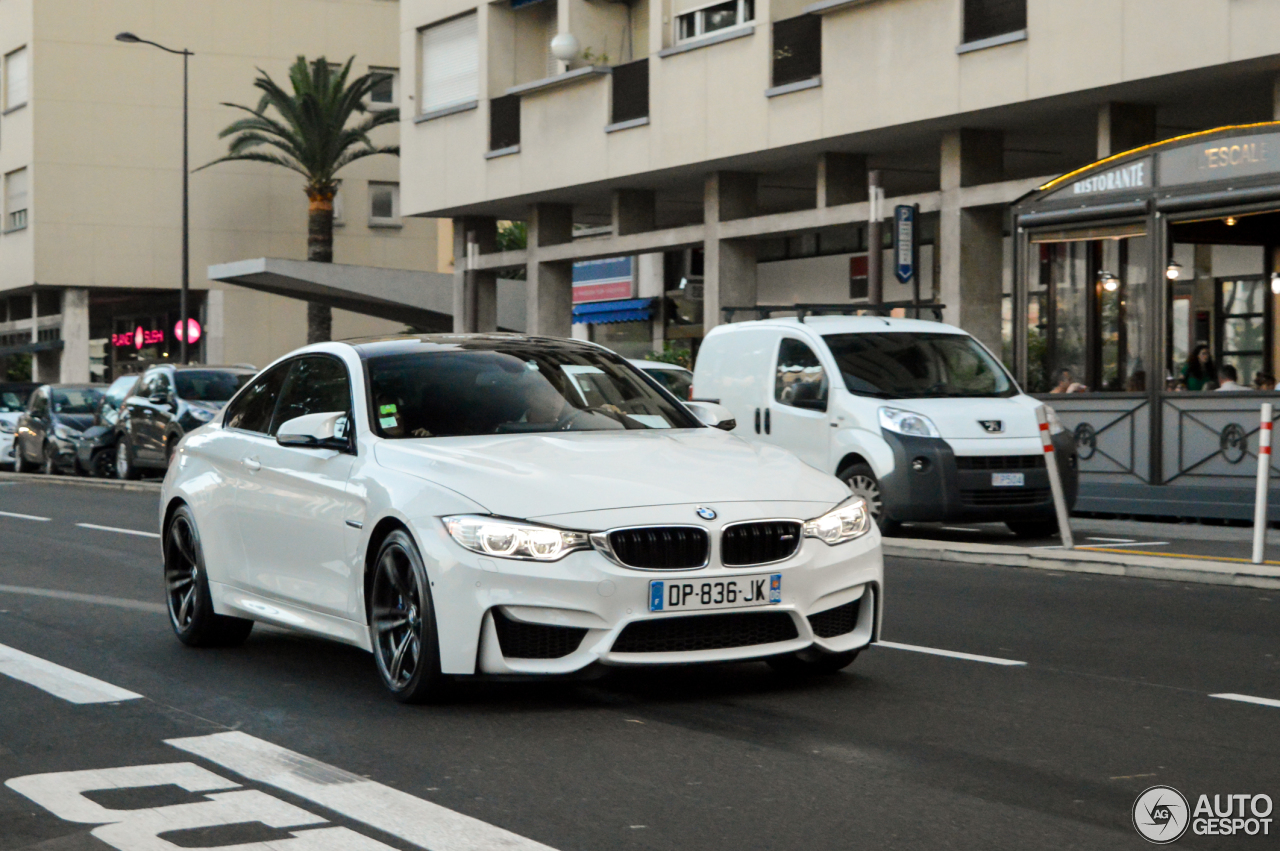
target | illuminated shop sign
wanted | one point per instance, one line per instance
(140, 337)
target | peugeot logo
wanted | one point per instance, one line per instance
(706, 513)
(992, 426)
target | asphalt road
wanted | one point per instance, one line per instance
(904, 750)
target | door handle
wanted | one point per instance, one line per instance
(766, 422)
(253, 464)
(757, 420)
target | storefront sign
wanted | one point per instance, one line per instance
(193, 327)
(137, 338)
(904, 243)
(603, 280)
(1237, 156)
(1135, 175)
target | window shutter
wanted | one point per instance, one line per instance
(450, 63)
(15, 72)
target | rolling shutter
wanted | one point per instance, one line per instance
(450, 63)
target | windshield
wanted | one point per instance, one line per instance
(917, 366)
(12, 403)
(80, 401)
(513, 387)
(678, 381)
(209, 385)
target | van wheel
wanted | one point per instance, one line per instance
(1033, 528)
(862, 480)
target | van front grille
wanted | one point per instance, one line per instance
(1004, 497)
(999, 462)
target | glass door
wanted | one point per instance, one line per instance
(1244, 325)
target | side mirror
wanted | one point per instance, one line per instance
(712, 414)
(315, 431)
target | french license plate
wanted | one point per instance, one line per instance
(1008, 480)
(669, 595)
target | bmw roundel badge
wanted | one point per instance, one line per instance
(706, 513)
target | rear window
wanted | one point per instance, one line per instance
(12, 403)
(81, 401)
(910, 365)
(209, 385)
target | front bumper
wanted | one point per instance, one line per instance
(573, 612)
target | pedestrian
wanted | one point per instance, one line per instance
(1067, 385)
(1198, 372)
(1228, 379)
(1264, 381)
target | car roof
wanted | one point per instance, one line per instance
(368, 347)
(656, 364)
(75, 386)
(184, 367)
(855, 325)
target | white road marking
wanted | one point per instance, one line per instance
(116, 529)
(954, 654)
(1245, 698)
(397, 813)
(1111, 540)
(58, 681)
(1142, 544)
(24, 516)
(95, 599)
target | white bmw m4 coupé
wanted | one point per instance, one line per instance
(508, 505)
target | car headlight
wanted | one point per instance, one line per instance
(908, 423)
(65, 432)
(843, 523)
(7, 427)
(493, 536)
(1055, 424)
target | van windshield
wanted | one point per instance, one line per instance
(912, 365)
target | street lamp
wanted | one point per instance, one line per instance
(184, 321)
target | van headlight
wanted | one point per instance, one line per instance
(1055, 424)
(493, 536)
(908, 423)
(843, 523)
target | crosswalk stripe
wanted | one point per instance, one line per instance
(58, 681)
(397, 813)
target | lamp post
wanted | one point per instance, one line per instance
(183, 310)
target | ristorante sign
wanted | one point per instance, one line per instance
(1135, 175)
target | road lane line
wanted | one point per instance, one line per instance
(1113, 540)
(1245, 698)
(58, 681)
(400, 814)
(95, 599)
(24, 516)
(117, 529)
(954, 654)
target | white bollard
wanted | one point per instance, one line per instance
(1055, 479)
(1264, 482)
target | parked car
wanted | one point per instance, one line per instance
(917, 417)
(55, 416)
(456, 506)
(169, 401)
(13, 401)
(96, 446)
(672, 376)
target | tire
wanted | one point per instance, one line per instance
(124, 460)
(862, 480)
(187, 595)
(402, 624)
(806, 664)
(1033, 528)
(103, 464)
(49, 464)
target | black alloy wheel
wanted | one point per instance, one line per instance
(402, 624)
(190, 606)
(124, 460)
(811, 663)
(103, 464)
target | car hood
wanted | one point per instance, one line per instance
(563, 472)
(79, 422)
(963, 417)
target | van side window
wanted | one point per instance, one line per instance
(800, 381)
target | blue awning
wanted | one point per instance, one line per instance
(605, 312)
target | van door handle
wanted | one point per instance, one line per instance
(757, 420)
(253, 464)
(766, 422)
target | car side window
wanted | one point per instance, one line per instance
(160, 385)
(800, 381)
(316, 385)
(253, 408)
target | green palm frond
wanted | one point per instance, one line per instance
(317, 129)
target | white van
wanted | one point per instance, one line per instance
(916, 417)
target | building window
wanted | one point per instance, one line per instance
(450, 64)
(15, 200)
(384, 204)
(15, 78)
(713, 18)
(504, 122)
(990, 18)
(386, 91)
(797, 49)
(630, 91)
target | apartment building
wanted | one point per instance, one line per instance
(727, 155)
(91, 159)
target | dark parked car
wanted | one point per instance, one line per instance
(168, 402)
(96, 447)
(13, 401)
(54, 419)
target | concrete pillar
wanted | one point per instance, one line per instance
(36, 371)
(729, 268)
(74, 360)
(550, 294)
(842, 179)
(485, 231)
(971, 241)
(650, 284)
(634, 211)
(1124, 126)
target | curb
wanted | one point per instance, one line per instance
(1197, 570)
(80, 482)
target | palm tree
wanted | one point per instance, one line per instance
(311, 137)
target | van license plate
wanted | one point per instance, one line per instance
(1008, 480)
(674, 595)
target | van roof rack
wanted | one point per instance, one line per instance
(765, 311)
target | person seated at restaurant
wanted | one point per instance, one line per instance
(1264, 381)
(1228, 379)
(1066, 385)
(1199, 372)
